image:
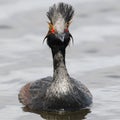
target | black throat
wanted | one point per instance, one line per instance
(59, 66)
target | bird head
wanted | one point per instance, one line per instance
(59, 16)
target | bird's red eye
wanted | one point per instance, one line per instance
(52, 30)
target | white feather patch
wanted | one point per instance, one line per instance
(60, 24)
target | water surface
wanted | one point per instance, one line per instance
(94, 59)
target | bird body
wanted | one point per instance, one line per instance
(60, 92)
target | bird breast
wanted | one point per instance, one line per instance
(59, 88)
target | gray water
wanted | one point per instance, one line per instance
(94, 59)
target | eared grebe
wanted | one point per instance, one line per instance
(60, 92)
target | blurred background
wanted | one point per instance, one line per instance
(94, 58)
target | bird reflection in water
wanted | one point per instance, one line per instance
(61, 115)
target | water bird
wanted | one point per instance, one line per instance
(60, 92)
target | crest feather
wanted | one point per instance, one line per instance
(61, 10)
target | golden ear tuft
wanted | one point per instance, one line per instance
(68, 24)
(50, 26)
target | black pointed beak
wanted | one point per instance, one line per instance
(60, 36)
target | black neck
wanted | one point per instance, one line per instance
(60, 71)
